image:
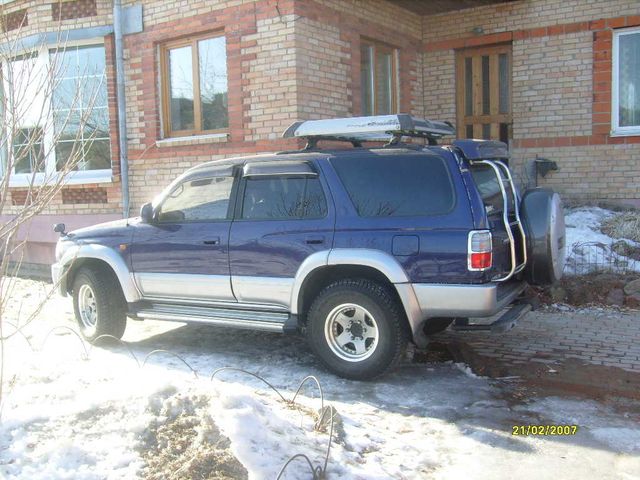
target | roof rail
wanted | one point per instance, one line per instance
(380, 128)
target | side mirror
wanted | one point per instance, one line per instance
(59, 228)
(146, 213)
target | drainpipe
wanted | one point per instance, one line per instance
(121, 102)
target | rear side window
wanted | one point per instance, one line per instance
(396, 185)
(281, 198)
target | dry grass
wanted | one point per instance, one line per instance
(623, 225)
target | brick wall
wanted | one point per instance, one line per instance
(552, 86)
(589, 173)
(561, 87)
(324, 69)
(521, 15)
(269, 81)
(287, 60)
(299, 59)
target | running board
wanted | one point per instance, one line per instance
(505, 322)
(227, 317)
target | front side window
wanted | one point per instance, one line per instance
(57, 117)
(396, 185)
(626, 81)
(194, 80)
(283, 198)
(378, 78)
(197, 200)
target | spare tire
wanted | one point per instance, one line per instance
(543, 220)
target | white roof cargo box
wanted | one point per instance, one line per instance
(376, 128)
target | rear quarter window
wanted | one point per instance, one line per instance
(396, 185)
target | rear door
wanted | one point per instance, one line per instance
(283, 215)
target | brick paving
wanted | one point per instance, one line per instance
(590, 347)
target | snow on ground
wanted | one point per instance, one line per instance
(71, 414)
(587, 248)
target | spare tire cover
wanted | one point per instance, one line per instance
(543, 219)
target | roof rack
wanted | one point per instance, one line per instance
(380, 128)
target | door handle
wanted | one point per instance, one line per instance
(212, 241)
(314, 240)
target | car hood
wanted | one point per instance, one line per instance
(115, 229)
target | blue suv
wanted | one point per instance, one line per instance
(361, 249)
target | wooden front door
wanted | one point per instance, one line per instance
(483, 92)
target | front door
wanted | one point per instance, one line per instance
(282, 217)
(183, 255)
(483, 92)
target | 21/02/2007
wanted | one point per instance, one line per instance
(544, 430)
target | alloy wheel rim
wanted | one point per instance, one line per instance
(87, 307)
(351, 332)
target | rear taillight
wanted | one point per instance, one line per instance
(479, 253)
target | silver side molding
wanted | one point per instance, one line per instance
(186, 286)
(263, 290)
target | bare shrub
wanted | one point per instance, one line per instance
(623, 225)
(48, 124)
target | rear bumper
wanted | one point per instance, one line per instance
(59, 279)
(445, 300)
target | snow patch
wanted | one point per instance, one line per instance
(587, 248)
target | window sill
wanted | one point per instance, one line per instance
(193, 140)
(80, 178)
(625, 133)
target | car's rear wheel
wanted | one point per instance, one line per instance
(357, 329)
(98, 303)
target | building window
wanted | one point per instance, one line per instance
(194, 86)
(378, 78)
(57, 116)
(80, 109)
(626, 82)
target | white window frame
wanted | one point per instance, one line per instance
(50, 175)
(616, 129)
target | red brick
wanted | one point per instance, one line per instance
(601, 107)
(538, 32)
(616, 22)
(633, 21)
(556, 30)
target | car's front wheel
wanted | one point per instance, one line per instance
(357, 329)
(98, 303)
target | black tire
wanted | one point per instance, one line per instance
(109, 303)
(388, 320)
(543, 219)
(437, 325)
